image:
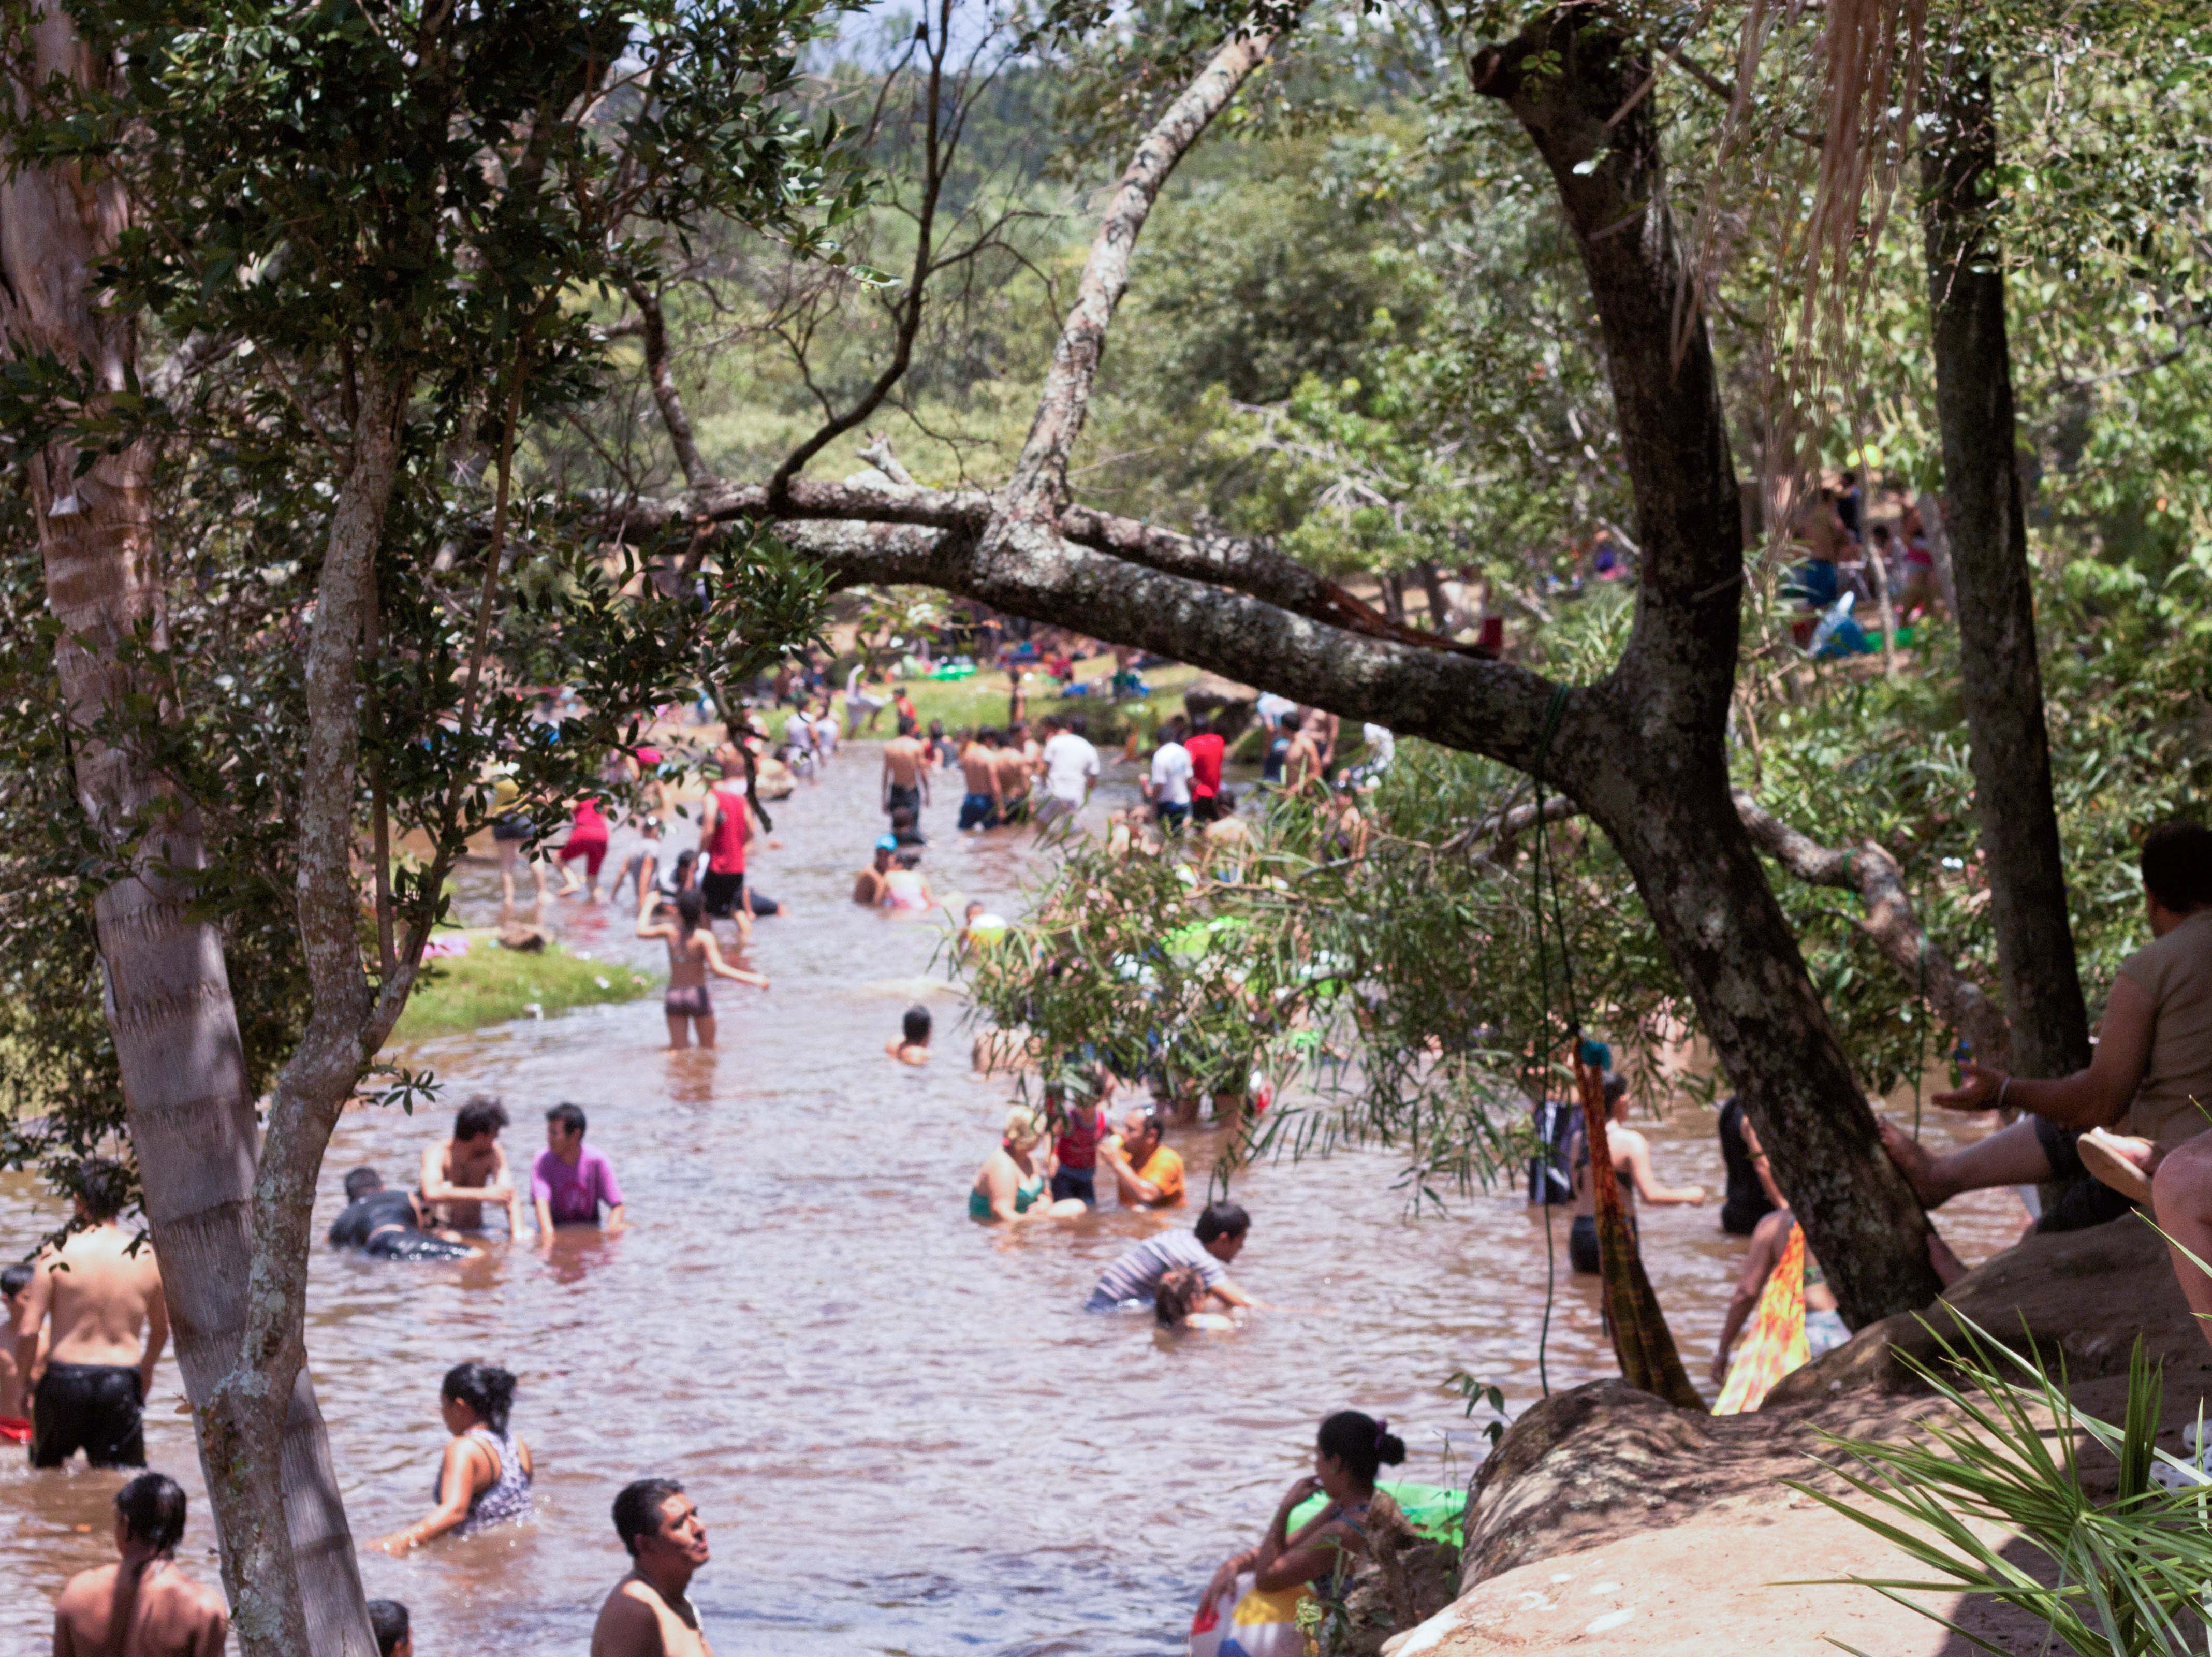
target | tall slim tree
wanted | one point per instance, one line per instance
(2001, 681)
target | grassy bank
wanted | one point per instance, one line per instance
(490, 985)
(982, 700)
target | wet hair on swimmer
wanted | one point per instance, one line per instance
(1179, 1290)
(485, 1388)
(103, 1186)
(361, 1182)
(152, 1508)
(1362, 1444)
(690, 908)
(1023, 1126)
(15, 1279)
(1222, 1220)
(637, 1510)
(570, 1116)
(387, 1620)
(916, 1026)
(481, 1115)
(2177, 865)
(1614, 1087)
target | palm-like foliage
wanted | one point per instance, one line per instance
(2001, 1468)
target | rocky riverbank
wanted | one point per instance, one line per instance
(1608, 1518)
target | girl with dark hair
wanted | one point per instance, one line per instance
(1183, 1302)
(1258, 1593)
(692, 954)
(484, 1478)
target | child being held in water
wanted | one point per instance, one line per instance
(1181, 1301)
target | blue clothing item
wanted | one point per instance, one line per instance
(979, 811)
(1172, 818)
(1814, 581)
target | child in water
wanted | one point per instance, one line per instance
(911, 1046)
(1182, 1300)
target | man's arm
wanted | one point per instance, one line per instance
(157, 1335)
(2096, 1097)
(1760, 1165)
(514, 1209)
(884, 782)
(31, 1319)
(1226, 1288)
(543, 1209)
(1638, 1155)
(614, 1221)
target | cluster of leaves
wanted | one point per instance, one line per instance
(416, 196)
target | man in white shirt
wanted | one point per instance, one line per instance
(1168, 787)
(1070, 770)
(1381, 748)
(1271, 708)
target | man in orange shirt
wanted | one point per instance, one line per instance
(1147, 1174)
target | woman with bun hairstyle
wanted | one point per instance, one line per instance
(1255, 1596)
(484, 1478)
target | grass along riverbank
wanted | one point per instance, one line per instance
(490, 985)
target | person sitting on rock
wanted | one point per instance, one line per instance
(1349, 1451)
(2153, 1064)
(1804, 1309)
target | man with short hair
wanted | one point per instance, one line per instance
(1208, 1249)
(1146, 1173)
(1207, 749)
(102, 1291)
(387, 1225)
(1070, 770)
(389, 1622)
(570, 1180)
(868, 883)
(142, 1605)
(982, 806)
(1167, 787)
(906, 773)
(648, 1613)
(1013, 763)
(469, 1170)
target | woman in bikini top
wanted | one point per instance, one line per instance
(1349, 1451)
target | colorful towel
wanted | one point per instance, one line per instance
(1777, 1344)
(1245, 1622)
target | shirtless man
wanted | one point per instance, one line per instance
(469, 1170)
(110, 1324)
(1012, 761)
(1631, 1165)
(983, 807)
(142, 1605)
(16, 1384)
(906, 773)
(647, 1614)
(868, 883)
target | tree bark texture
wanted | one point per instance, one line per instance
(288, 1561)
(2001, 681)
(1643, 752)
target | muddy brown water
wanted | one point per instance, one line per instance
(905, 1433)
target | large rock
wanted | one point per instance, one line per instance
(1604, 1467)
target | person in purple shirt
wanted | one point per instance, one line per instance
(569, 1180)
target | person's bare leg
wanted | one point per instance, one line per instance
(2181, 1191)
(507, 874)
(679, 1030)
(2010, 1157)
(706, 1028)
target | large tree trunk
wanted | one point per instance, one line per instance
(190, 1113)
(1656, 777)
(2000, 680)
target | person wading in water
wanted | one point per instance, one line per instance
(648, 1613)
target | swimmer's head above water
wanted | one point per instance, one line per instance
(485, 1390)
(362, 1182)
(653, 1516)
(1221, 1230)
(149, 1511)
(482, 1116)
(916, 1027)
(1024, 1128)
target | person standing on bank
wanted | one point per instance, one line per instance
(102, 1291)
(649, 1613)
(484, 1476)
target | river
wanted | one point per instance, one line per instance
(905, 1434)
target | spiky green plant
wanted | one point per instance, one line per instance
(1999, 1467)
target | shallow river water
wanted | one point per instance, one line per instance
(905, 1435)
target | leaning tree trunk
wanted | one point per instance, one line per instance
(1646, 752)
(190, 1112)
(2000, 680)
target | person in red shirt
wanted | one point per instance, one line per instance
(723, 831)
(1206, 749)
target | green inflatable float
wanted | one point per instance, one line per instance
(1434, 1512)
